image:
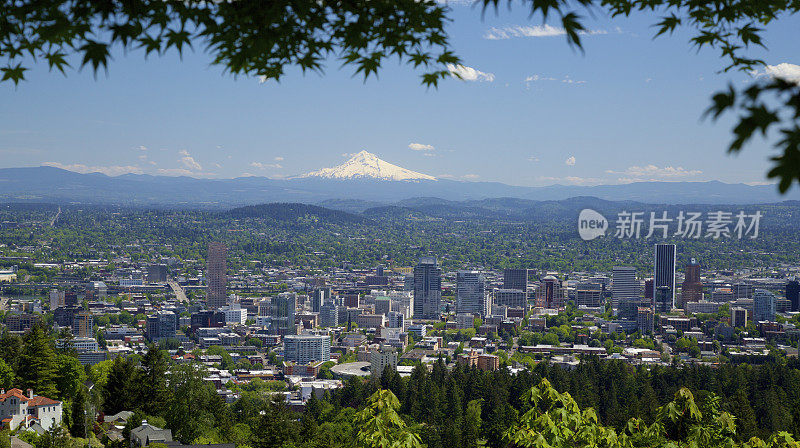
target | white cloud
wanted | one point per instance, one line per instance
(539, 78)
(469, 74)
(508, 32)
(265, 166)
(568, 80)
(188, 161)
(570, 161)
(113, 170)
(533, 159)
(420, 147)
(278, 159)
(785, 71)
(470, 176)
(143, 157)
(142, 148)
(514, 31)
(652, 172)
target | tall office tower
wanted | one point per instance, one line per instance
(512, 298)
(763, 305)
(662, 302)
(515, 279)
(58, 299)
(282, 312)
(216, 272)
(550, 294)
(162, 325)
(589, 294)
(471, 293)
(329, 315)
(157, 273)
(623, 285)
(408, 283)
(427, 289)
(664, 272)
(318, 297)
(629, 308)
(379, 271)
(644, 319)
(742, 291)
(692, 287)
(83, 324)
(793, 294)
(738, 317)
(648, 289)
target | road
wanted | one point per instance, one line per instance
(176, 288)
(55, 218)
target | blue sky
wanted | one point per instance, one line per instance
(538, 113)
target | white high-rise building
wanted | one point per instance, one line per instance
(57, 299)
(624, 285)
(381, 359)
(302, 349)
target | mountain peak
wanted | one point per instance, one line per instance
(367, 165)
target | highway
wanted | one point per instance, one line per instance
(176, 288)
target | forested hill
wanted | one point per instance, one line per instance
(295, 211)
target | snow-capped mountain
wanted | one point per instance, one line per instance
(368, 165)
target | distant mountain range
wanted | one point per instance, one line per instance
(363, 182)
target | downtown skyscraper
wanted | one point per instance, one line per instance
(515, 279)
(624, 285)
(216, 275)
(427, 289)
(664, 270)
(471, 297)
(692, 287)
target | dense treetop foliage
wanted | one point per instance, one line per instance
(600, 403)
